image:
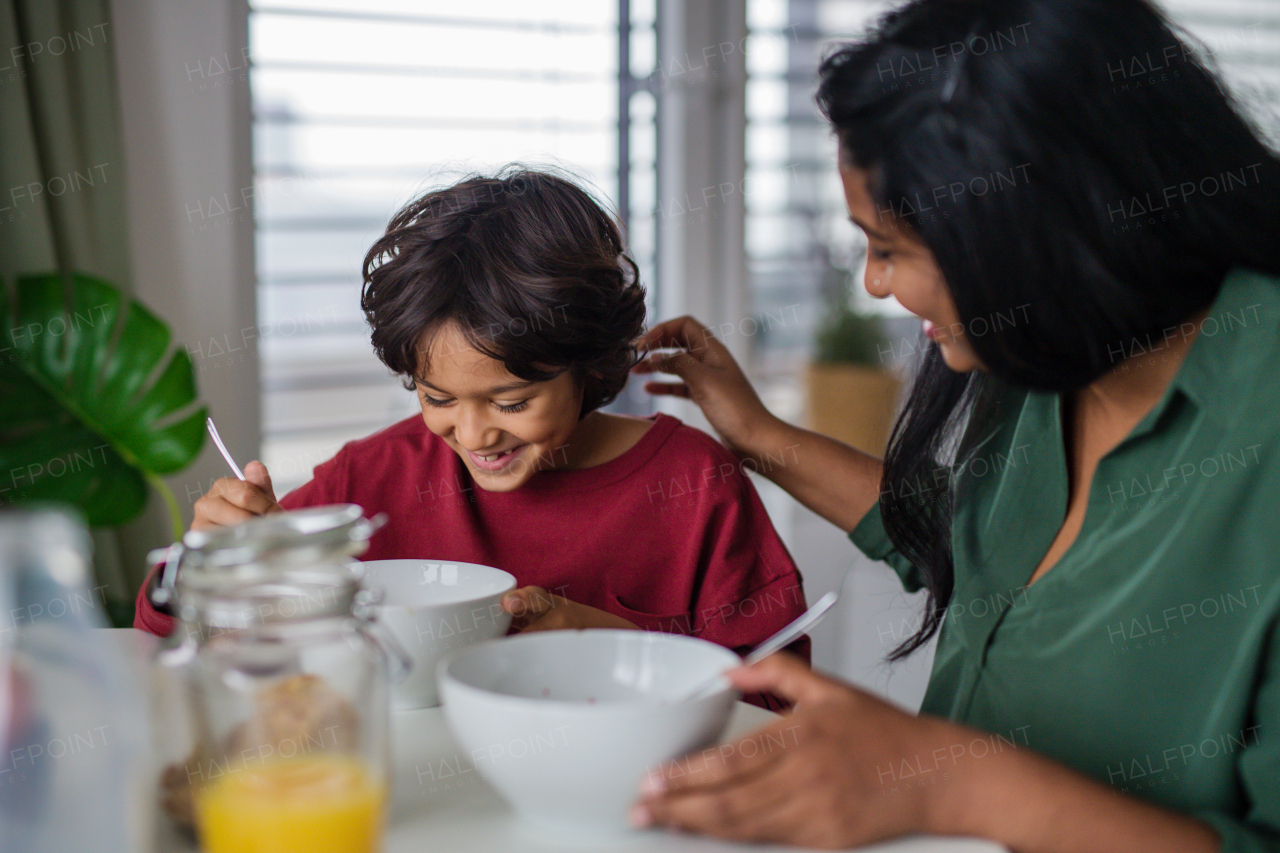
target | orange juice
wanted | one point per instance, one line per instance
(318, 803)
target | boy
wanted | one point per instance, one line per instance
(509, 305)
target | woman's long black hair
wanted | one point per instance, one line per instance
(1082, 181)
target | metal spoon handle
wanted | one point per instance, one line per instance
(794, 629)
(222, 448)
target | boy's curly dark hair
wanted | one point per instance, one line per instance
(529, 267)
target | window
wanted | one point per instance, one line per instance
(798, 232)
(1242, 38)
(359, 107)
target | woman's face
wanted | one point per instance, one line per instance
(899, 265)
(505, 429)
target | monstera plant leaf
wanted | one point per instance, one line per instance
(94, 405)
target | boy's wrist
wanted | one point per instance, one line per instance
(153, 581)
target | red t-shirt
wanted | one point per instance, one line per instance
(670, 535)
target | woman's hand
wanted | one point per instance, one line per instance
(709, 377)
(834, 480)
(846, 768)
(827, 775)
(231, 501)
(532, 608)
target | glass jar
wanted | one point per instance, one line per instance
(276, 686)
(74, 767)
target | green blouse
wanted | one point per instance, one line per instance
(1148, 657)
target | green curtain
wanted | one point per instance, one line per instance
(62, 189)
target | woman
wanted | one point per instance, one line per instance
(1086, 473)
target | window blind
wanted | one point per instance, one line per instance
(357, 108)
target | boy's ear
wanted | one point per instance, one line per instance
(579, 380)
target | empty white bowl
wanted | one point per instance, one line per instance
(564, 724)
(433, 607)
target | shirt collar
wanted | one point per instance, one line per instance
(1226, 359)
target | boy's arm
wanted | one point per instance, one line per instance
(780, 597)
(750, 586)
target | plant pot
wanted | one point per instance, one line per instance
(852, 403)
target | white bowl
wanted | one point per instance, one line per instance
(433, 607)
(565, 724)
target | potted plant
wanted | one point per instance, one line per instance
(96, 405)
(851, 394)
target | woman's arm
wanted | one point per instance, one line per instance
(838, 482)
(848, 769)
(833, 479)
(1056, 810)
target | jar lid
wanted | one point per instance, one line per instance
(339, 528)
(228, 574)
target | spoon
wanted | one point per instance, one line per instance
(222, 448)
(163, 593)
(804, 622)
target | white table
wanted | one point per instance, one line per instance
(442, 804)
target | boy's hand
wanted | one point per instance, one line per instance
(709, 377)
(231, 501)
(532, 608)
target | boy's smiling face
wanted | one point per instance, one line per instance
(504, 428)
